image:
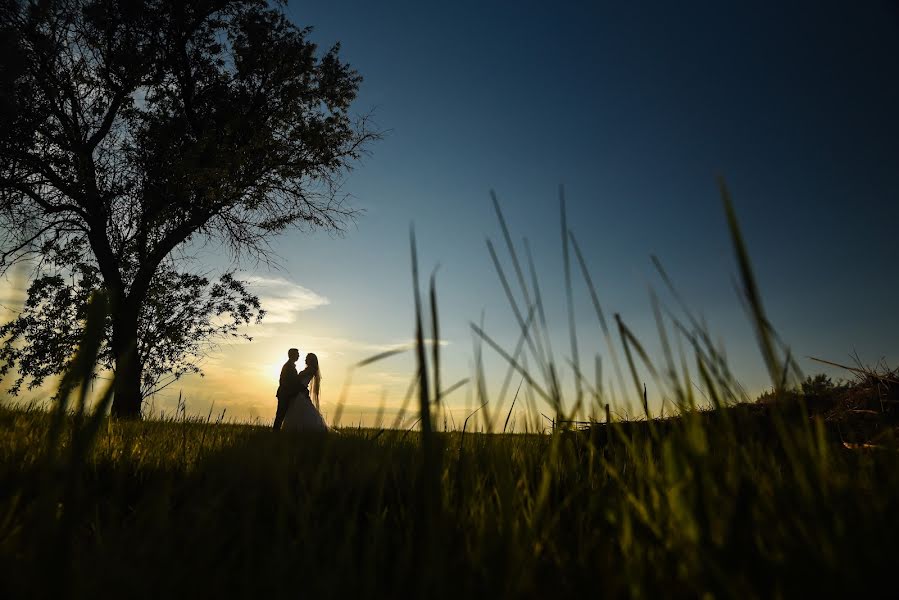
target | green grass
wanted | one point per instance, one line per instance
(733, 509)
(737, 501)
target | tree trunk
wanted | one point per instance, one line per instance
(126, 401)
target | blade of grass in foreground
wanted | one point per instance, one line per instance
(569, 295)
(538, 299)
(750, 288)
(424, 397)
(510, 370)
(435, 339)
(536, 351)
(516, 265)
(511, 361)
(597, 307)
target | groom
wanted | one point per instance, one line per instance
(288, 386)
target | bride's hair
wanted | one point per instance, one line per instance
(312, 361)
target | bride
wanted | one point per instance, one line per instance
(302, 415)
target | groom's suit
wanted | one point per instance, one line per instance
(288, 386)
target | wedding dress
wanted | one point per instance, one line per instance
(301, 413)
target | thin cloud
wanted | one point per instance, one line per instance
(283, 300)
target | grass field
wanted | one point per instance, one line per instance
(718, 503)
(792, 497)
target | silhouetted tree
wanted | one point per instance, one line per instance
(182, 318)
(133, 131)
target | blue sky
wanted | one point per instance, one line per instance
(636, 108)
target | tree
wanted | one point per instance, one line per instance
(133, 131)
(183, 316)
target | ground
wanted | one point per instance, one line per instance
(748, 502)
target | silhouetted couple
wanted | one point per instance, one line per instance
(296, 411)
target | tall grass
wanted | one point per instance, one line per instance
(737, 501)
